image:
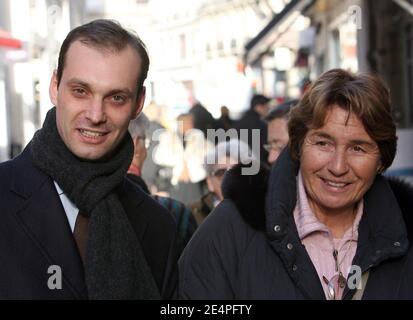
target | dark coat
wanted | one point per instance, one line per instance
(237, 253)
(35, 234)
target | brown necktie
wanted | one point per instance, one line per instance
(80, 234)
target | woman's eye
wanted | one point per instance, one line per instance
(358, 149)
(321, 143)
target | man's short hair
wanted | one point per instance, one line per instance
(281, 111)
(259, 99)
(106, 34)
(139, 127)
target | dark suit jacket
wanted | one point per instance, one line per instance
(35, 234)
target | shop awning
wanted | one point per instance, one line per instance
(279, 24)
(7, 41)
(405, 5)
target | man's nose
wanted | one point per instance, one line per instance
(96, 112)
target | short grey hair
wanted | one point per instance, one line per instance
(139, 127)
(235, 149)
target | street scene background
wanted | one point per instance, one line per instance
(212, 52)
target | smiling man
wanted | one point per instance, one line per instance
(66, 202)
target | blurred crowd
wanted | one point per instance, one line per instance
(182, 163)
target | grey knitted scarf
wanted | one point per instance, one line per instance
(115, 266)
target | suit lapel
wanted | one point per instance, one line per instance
(131, 199)
(43, 218)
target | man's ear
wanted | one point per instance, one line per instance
(210, 185)
(135, 144)
(140, 100)
(53, 88)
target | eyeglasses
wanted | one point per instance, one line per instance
(335, 287)
(275, 146)
(219, 173)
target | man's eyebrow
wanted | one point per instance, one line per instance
(76, 81)
(122, 90)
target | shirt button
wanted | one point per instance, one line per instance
(289, 246)
(295, 267)
(396, 244)
(277, 228)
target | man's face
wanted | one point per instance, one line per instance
(96, 99)
(262, 109)
(214, 180)
(277, 138)
(338, 163)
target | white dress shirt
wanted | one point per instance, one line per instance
(70, 208)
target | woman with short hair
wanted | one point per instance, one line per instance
(325, 223)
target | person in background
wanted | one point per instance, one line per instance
(325, 223)
(184, 151)
(202, 119)
(253, 119)
(277, 138)
(225, 122)
(138, 129)
(225, 155)
(185, 221)
(72, 226)
(155, 176)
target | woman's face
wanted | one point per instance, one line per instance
(338, 162)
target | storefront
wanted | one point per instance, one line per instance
(277, 55)
(7, 42)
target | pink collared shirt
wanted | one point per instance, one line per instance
(317, 238)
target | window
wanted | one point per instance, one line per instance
(182, 46)
(220, 47)
(408, 43)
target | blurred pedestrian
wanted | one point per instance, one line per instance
(253, 119)
(277, 138)
(184, 151)
(157, 178)
(225, 122)
(224, 156)
(185, 221)
(202, 118)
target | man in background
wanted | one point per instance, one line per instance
(253, 119)
(278, 136)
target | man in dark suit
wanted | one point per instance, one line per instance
(71, 225)
(252, 122)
